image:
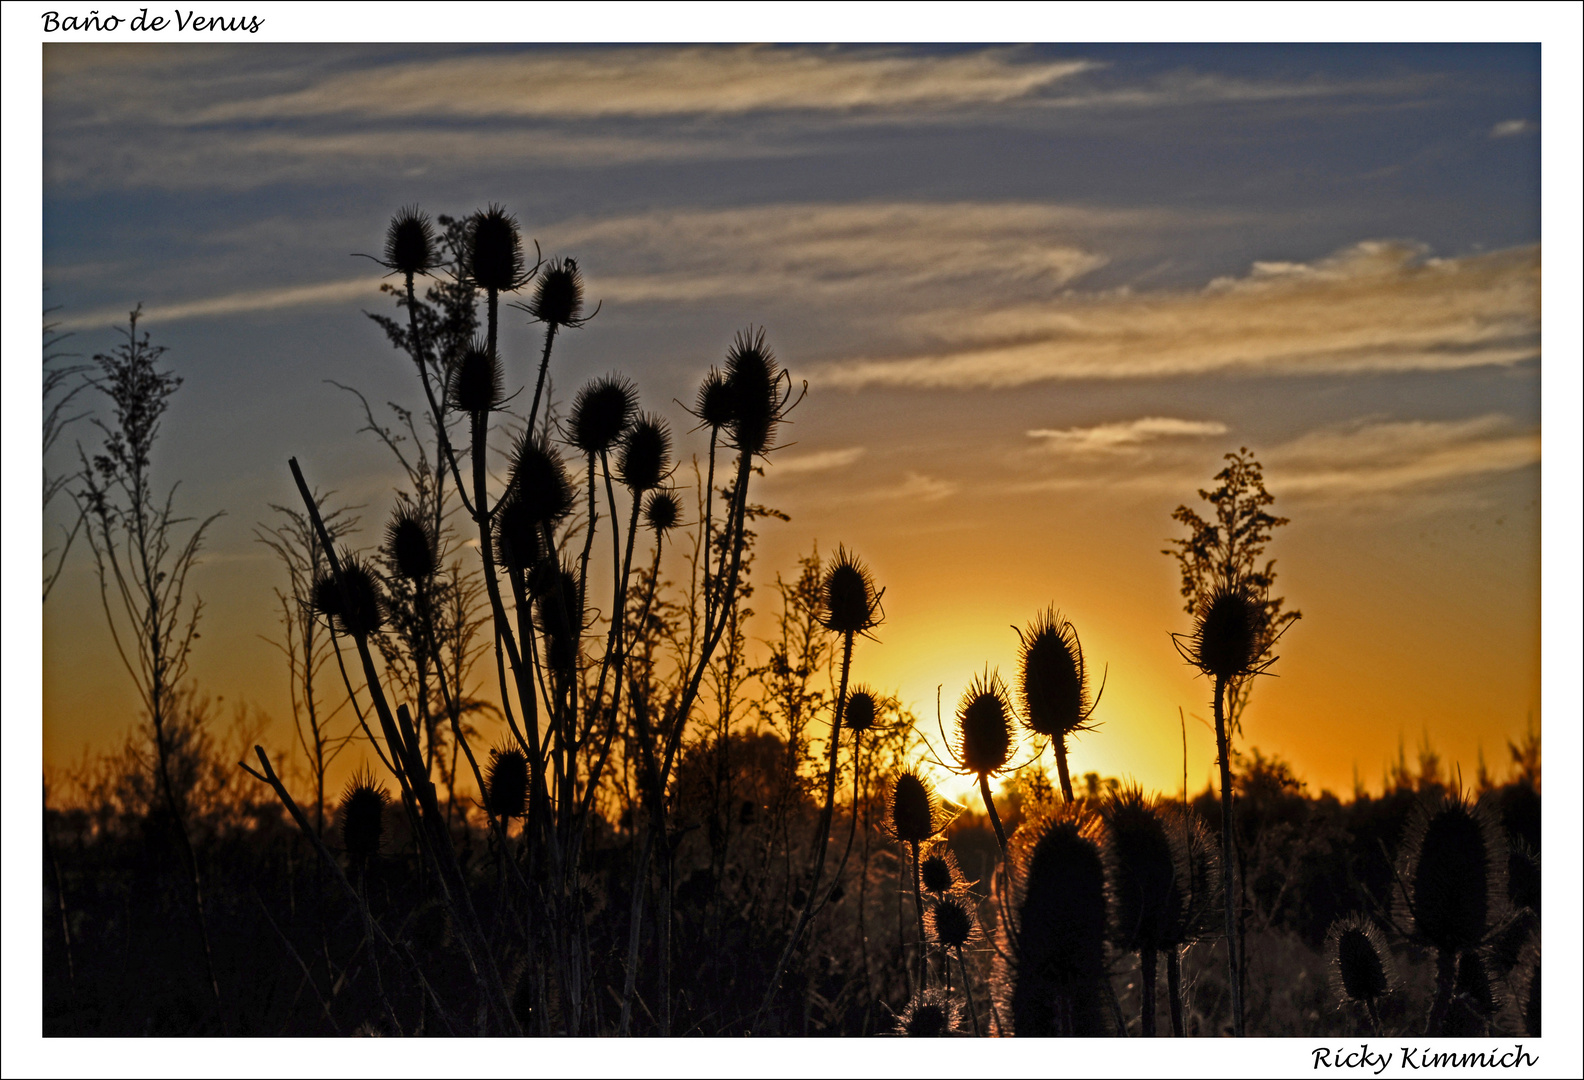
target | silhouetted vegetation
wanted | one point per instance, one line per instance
(679, 830)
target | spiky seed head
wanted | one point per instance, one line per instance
(409, 242)
(1196, 882)
(409, 541)
(848, 601)
(539, 481)
(559, 619)
(475, 384)
(929, 1015)
(1054, 948)
(984, 726)
(1229, 634)
(517, 539)
(1052, 679)
(911, 809)
(662, 511)
(754, 379)
(354, 603)
(494, 250)
(938, 870)
(1456, 872)
(558, 296)
(601, 413)
(363, 816)
(1143, 869)
(1361, 966)
(714, 403)
(949, 922)
(506, 783)
(645, 454)
(859, 715)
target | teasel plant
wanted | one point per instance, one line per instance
(986, 740)
(1055, 686)
(1050, 970)
(1452, 891)
(560, 698)
(1362, 973)
(1145, 864)
(914, 816)
(849, 607)
(1190, 910)
(1230, 642)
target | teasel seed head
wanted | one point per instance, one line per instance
(714, 406)
(1196, 882)
(757, 397)
(518, 544)
(559, 619)
(1052, 678)
(506, 783)
(1053, 964)
(363, 816)
(539, 481)
(494, 251)
(848, 601)
(985, 737)
(645, 454)
(1476, 997)
(1230, 633)
(1143, 868)
(601, 413)
(475, 383)
(662, 511)
(355, 603)
(558, 296)
(410, 244)
(1361, 964)
(929, 1015)
(913, 813)
(410, 543)
(949, 922)
(1456, 872)
(1523, 876)
(862, 707)
(938, 870)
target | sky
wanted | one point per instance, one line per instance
(1037, 293)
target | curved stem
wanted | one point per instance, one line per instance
(995, 818)
(973, 1013)
(544, 364)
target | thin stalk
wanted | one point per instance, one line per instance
(973, 1013)
(1229, 888)
(995, 818)
(918, 903)
(544, 365)
(1446, 980)
(1147, 978)
(1174, 988)
(1060, 745)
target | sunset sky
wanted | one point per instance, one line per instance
(1037, 293)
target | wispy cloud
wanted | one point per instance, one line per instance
(236, 303)
(1124, 435)
(1377, 306)
(657, 81)
(819, 461)
(1508, 128)
(1373, 456)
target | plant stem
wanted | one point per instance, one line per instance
(1147, 978)
(1060, 746)
(1228, 861)
(995, 818)
(1174, 989)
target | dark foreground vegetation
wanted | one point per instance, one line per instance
(679, 830)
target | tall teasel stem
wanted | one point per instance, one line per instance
(1228, 860)
(1174, 988)
(918, 905)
